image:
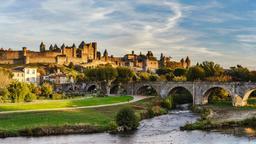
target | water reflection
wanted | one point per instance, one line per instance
(159, 130)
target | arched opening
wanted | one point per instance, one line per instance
(217, 96)
(92, 89)
(117, 89)
(181, 95)
(147, 91)
(250, 97)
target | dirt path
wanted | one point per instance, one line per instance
(135, 99)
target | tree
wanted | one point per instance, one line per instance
(5, 78)
(195, 73)
(164, 71)
(104, 75)
(180, 72)
(127, 119)
(18, 91)
(212, 69)
(239, 73)
(125, 74)
(144, 76)
(46, 90)
(153, 77)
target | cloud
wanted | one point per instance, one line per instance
(198, 29)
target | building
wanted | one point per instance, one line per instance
(85, 52)
(58, 78)
(26, 74)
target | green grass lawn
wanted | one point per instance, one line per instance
(51, 104)
(12, 123)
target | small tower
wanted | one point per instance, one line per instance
(105, 55)
(55, 47)
(82, 45)
(188, 62)
(73, 46)
(51, 48)
(62, 46)
(42, 47)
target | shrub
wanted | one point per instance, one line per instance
(30, 97)
(126, 119)
(46, 90)
(56, 96)
(180, 78)
(180, 72)
(167, 103)
(157, 110)
(153, 77)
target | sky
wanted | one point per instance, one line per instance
(223, 31)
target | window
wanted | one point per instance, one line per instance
(34, 71)
(27, 79)
(28, 71)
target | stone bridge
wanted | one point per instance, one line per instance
(239, 91)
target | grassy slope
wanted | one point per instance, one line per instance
(64, 103)
(11, 123)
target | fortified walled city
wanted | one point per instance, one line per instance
(86, 54)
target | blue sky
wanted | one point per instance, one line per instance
(223, 31)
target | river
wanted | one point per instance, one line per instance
(159, 130)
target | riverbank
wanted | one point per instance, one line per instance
(220, 118)
(89, 120)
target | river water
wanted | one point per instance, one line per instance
(159, 130)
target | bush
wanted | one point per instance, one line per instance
(180, 78)
(46, 90)
(153, 77)
(30, 97)
(56, 96)
(126, 119)
(180, 72)
(167, 103)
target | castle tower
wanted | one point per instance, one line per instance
(105, 55)
(94, 45)
(51, 47)
(25, 57)
(74, 50)
(42, 47)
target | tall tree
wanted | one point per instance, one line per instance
(212, 69)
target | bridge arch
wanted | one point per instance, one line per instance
(208, 92)
(91, 88)
(118, 89)
(147, 90)
(247, 95)
(181, 95)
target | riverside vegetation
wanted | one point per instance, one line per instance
(75, 121)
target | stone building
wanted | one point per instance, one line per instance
(84, 53)
(26, 74)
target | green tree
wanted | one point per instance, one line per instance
(125, 74)
(46, 90)
(127, 119)
(212, 69)
(144, 76)
(195, 73)
(180, 72)
(164, 71)
(104, 75)
(239, 73)
(18, 91)
(153, 77)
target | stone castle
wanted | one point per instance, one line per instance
(86, 54)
